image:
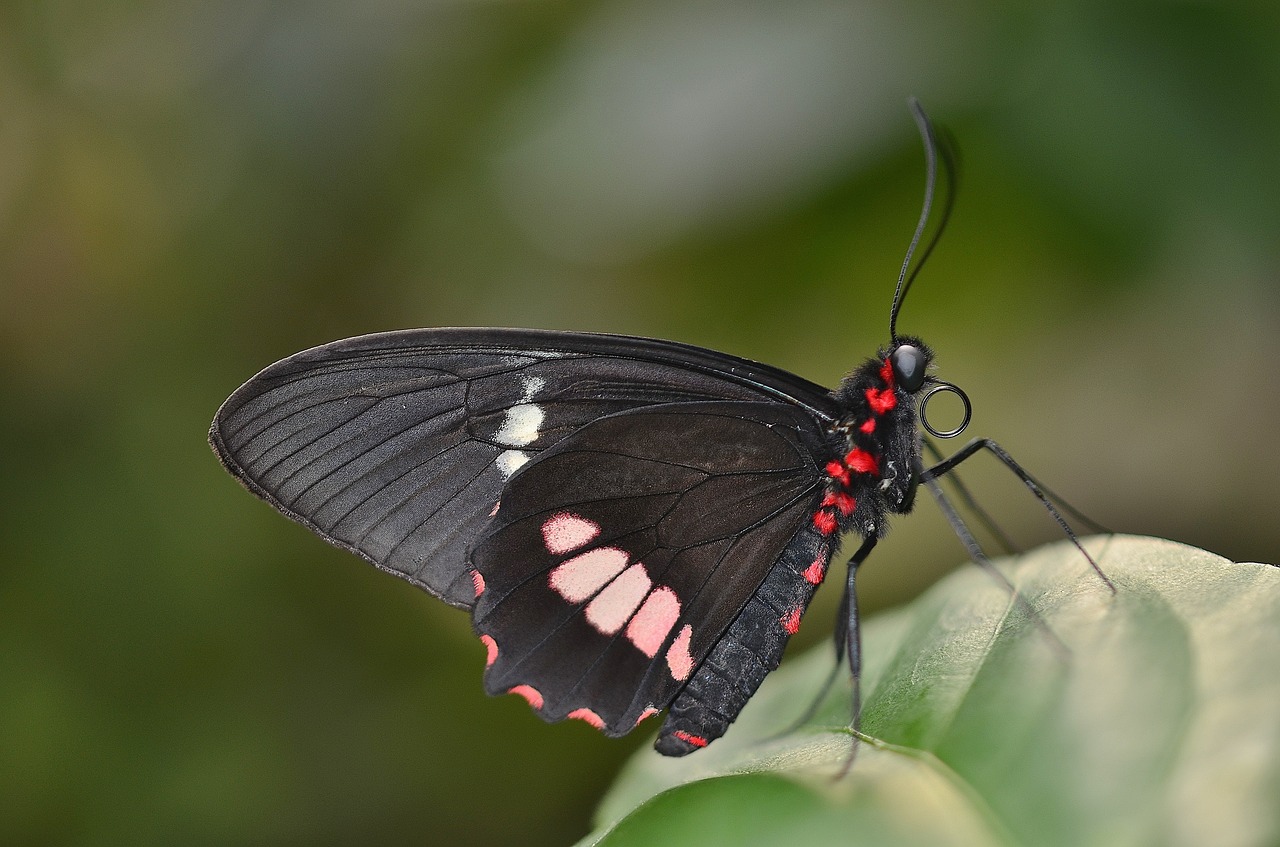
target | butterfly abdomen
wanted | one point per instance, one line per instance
(750, 648)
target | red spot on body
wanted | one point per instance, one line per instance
(695, 740)
(835, 470)
(825, 522)
(492, 647)
(861, 461)
(868, 426)
(881, 400)
(841, 501)
(478, 582)
(886, 373)
(587, 716)
(791, 621)
(815, 572)
(529, 693)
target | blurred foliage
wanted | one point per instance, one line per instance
(1157, 727)
(189, 191)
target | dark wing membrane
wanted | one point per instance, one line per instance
(396, 446)
(617, 560)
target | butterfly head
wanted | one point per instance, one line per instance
(909, 364)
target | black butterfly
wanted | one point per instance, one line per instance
(635, 525)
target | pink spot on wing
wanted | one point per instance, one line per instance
(649, 712)
(588, 716)
(529, 693)
(613, 605)
(492, 647)
(494, 510)
(585, 574)
(564, 532)
(791, 621)
(649, 628)
(478, 582)
(815, 572)
(678, 657)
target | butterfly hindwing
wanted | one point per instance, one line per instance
(616, 560)
(396, 446)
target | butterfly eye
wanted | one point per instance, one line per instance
(909, 365)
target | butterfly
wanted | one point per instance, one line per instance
(634, 525)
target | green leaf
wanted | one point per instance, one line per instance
(1159, 723)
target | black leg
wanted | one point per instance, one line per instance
(848, 642)
(984, 517)
(853, 642)
(929, 476)
(977, 555)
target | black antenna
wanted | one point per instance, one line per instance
(931, 178)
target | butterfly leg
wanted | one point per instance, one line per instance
(976, 553)
(1002, 538)
(848, 640)
(852, 629)
(929, 476)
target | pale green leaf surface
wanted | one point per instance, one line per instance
(1159, 723)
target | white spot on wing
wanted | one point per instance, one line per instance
(521, 422)
(520, 425)
(532, 385)
(509, 461)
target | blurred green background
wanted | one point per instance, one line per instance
(190, 191)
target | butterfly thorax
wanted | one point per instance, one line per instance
(873, 448)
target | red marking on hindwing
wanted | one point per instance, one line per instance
(616, 601)
(492, 647)
(477, 581)
(841, 501)
(868, 426)
(564, 532)
(791, 621)
(815, 572)
(679, 659)
(649, 626)
(529, 693)
(861, 461)
(695, 740)
(649, 712)
(587, 716)
(824, 522)
(582, 576)
(881, 400)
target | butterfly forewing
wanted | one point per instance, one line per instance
(616, 560)
(397, 446)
